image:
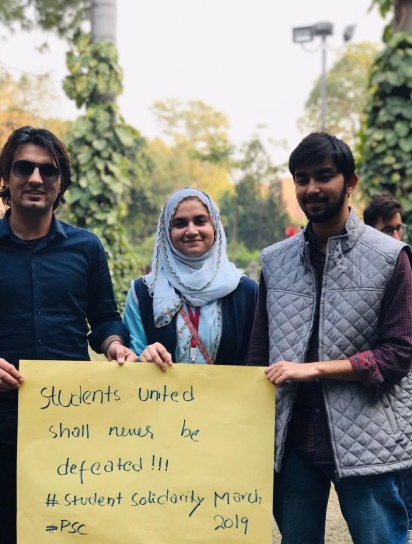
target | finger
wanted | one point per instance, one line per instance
(7, 381)
(117, 352)
(10, 369)
(155, 357)
(164, 354)
(131, 356)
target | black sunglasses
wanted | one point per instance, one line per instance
(23, 169)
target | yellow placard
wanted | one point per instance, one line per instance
(111, 454)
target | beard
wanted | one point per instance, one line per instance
(328, 212)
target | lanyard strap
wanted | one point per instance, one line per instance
(195, 320)
(192, 329)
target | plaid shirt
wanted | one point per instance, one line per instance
(380, 368)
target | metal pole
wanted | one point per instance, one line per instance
(323, 87)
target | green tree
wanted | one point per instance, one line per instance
(26, 101)
(196, 137)
(254, 214)
(347, 82)
(61, 16)
(386, 136)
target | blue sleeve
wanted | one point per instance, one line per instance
(133, 322)
(102, 314)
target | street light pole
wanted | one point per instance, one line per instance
(305, 34)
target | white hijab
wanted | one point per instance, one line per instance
(199, 280)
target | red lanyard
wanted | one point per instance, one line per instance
(195, 320)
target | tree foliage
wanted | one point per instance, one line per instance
(347, 82)
(62, 16)
(386, 136)
(26, 101)
(402, 16)
(104, 151)
(193, 150)
(254, 214)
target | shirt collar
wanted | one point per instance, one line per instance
(310, 236)
(5, 230)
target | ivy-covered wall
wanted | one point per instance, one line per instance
(386, 137)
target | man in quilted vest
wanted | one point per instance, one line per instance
(334, 322)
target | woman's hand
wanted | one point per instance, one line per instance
(158, 354)
(10, 377)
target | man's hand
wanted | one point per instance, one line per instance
(120, 353)
(283, 371)
(10, 377)
(158, 354)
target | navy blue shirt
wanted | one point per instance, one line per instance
(52, 293)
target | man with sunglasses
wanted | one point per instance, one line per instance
(54, 285)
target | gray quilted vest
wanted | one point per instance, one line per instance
(370, 431)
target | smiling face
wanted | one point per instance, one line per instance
(31, 194)
(191, 230)
(322, 192)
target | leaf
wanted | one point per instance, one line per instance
(402, 129)
(125, 136)
(99, 144)
(389, 159)
(406, 145)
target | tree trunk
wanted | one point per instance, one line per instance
(103, 20)
(402, 20)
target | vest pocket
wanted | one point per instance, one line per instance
(397, 434)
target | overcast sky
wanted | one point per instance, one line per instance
(236, 55)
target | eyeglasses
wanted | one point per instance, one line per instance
(400, 229)
(23, 169)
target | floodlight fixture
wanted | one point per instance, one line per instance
(323, 29)
(303, 34)
(348, 32)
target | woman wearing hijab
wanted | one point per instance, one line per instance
(195, 306)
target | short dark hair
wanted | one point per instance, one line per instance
(42, 138)
(383, 206)
(319, 146)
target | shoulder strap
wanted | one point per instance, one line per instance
(196, 336)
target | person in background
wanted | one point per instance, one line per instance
(334, 320)
(384, 213)
(54, 285)
(195, 306)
